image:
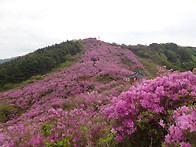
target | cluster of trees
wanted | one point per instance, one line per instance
(36, 63)
(169, 54)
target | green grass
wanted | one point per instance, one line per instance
(151, 67)
(128, 62)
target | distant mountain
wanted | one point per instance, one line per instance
(7, 59)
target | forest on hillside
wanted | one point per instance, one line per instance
(37, 63)
(168, 54)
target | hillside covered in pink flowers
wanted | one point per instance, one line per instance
(89, 104)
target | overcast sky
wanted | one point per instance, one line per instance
(26, 25)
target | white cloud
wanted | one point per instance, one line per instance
(27, 25)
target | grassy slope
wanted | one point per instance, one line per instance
(150, 66)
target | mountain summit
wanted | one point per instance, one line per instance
(99, 68)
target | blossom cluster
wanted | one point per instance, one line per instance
(182, 131)
(85, 124)
(140, 109)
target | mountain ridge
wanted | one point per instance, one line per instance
(44, 60)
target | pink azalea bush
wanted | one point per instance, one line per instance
(137, 112)
(86, 124)
(182, 132)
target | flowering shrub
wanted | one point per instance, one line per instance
(182, 132)
(85, 125)
(138, 111)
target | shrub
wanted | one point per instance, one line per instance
(182, 130)
(137, 112)
(7, 87)
(5, 111)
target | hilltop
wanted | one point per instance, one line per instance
(100, 68)
(87, 102)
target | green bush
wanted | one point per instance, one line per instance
(5, 111)
(7, 87)
(33, 78)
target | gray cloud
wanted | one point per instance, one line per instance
(27, 25)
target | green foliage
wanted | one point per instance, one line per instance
(64, 143)
(108, 139)
(128, 62)
(190, 136)
(61, 143)
(150, 66)
(105, 78)
(148, 132)
(45, 129)
(32, 79)
(7, 87)
(69, 61)
(169, 54)
(5, 111)
(114, 44)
